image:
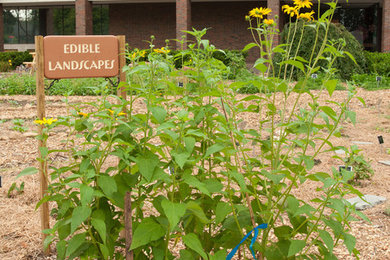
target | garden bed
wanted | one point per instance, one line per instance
(20, 236)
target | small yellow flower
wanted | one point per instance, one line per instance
(121, 114)
(45, 121)
(82, 114)
(163, 50)
(142, 53)
(111, 111)
(9, 61)
(259, 12)
(307, 16)
(247, 17)
(290, 10)
(134, 55)
(303, 3)
(269, 21)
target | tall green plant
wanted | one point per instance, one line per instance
(199, 178)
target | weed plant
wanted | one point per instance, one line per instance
(24, 84)
(190, 173)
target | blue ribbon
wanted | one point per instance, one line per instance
(256, 230)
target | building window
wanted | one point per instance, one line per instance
(64, 20)
(21, 25)
(363, 23)
(100, 19)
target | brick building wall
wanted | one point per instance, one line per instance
(225, 20)
(386, 26)
(83, 9)
(139, 21)
(183, 20)
(274, 5)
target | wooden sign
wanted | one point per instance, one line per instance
(59, 57)
(81, 56)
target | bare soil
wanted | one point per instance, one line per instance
(20, 236)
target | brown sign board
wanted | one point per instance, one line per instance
(81, 56)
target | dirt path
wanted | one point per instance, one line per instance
(20, 224)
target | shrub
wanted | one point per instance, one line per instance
(5, 66)
(361, 169)
(233, 59)
(378, 63)
(17, 58)
(370, 82)
(337, 35)
(24, 84)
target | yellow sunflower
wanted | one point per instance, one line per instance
(163, 50)
(82, 114)
(307, 16)
(45, 121)
(269, 21)
(259, 12)
(303, 3)
(290, 10)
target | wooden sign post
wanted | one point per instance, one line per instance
(59, 57)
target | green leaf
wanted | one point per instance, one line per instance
(192, 241)
(295, 247)
(190, 144)
(222, 210)
(100, 226)
(194, 182)
(61, 249)
(259, 65)
(44, 151)
(331, 85)
(86, 194)
(295, 63)
(104, 250)
(220, 255)
(213, 149)
(351, 115)
(249, 46)
(74, 243)
(107, 184)
(329, 111)
(350, 56)
(327, 238)
(350, 242)
(48, 240)
(146, 232)
(146, 165)
(197, 211)
(159, 113)
(27, 171)
(79, 215)
(173, 211)
(334, 225)
(283, 232)
(180, 158)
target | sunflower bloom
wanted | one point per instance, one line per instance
(290, 10)
(142, 53)
(307, 16)
(303, 3)
(45, 121)
(269, 21)
(163, 50)
(259, 12)
(82, 114)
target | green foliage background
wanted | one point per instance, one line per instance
(345, 66)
